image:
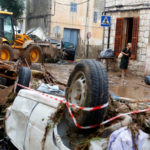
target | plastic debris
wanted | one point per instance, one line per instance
(122, 140)
(46, 88)
(107, 53)
(100, 144)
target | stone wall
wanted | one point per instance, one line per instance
(38, 13)
(135, 66)
(110, 3)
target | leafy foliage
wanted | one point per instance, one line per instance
(15, 6)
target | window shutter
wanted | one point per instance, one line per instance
(95, 17)
(118, 37)
(135, 32)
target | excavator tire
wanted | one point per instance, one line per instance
(6, 53)
(33, 54)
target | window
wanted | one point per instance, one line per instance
(95, 17)
(56, 31)
(8, 29)
(73, 7)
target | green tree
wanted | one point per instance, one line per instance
(15, 6)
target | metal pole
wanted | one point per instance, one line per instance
(87, 54)
(108, 42)
(104, 13)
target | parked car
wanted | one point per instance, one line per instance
(66, 47)
(69, 48)
(33, 120)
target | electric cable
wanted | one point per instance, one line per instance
(69, 4)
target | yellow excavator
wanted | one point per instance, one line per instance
(13, 46)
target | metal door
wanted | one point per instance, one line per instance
(71, 35)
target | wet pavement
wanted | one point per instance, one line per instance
(60, 72)
(131, 87)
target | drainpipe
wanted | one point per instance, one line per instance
(86, 29)
(104, 13)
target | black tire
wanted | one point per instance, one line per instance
(96, 81)
(9, 50)
(27, 54)
(147, 80)
(23, 78)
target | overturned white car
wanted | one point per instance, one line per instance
(43, 122)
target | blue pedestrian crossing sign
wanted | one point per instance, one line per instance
(105, 21)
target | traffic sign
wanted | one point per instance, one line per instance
(105, 21)
(89, 35)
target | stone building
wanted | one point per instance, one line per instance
(69, 20)
(130, 22)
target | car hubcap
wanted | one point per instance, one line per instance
(77, 91)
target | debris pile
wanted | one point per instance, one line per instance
(132, 125)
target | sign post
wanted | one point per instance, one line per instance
(106, 22)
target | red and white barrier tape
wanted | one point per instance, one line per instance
(104, 122)
(61, 100)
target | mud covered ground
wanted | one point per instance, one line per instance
(131, 87)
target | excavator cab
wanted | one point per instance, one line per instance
(6, 27)
(7, 36)
(14, 46)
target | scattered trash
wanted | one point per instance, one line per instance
(98, 144)
(54, 90)
(107, 53)
(55, 127)
(122, 139)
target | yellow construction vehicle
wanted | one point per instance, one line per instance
(14, 45)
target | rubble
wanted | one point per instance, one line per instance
(44, 81)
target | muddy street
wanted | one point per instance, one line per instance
(131, 87)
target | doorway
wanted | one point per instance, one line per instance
(127, 30)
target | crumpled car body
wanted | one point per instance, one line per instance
(27, 119)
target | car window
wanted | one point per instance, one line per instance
(68, 45)
(53, 41)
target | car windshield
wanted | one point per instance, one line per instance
(68, 45)
(8, 29)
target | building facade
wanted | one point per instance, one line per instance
(71, 21)
(130, 23)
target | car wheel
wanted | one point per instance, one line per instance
(87, 87)
(23, 78)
